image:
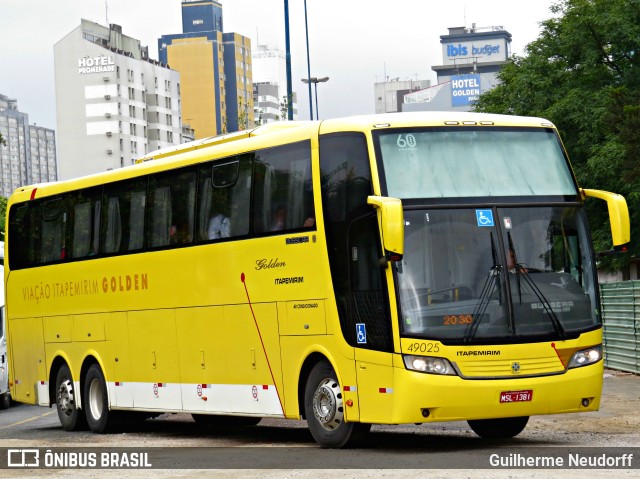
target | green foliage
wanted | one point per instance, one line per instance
(3, 142)
(3, 215)
(583, 74)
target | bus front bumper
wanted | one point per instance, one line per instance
(429, 398)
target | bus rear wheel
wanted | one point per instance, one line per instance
(96, 401)
(70, 416)
(324, 410)
(503, 428)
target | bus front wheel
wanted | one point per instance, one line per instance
(324, 409)
(96, 402)
(503, 428)
(70, 416)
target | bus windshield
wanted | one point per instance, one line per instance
(525, 273)
(508, 269)
(458, 162)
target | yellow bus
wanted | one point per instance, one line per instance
(403, 268)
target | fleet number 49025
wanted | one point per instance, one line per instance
(423, 348)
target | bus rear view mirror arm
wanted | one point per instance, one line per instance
(391, 221)
(618, 218)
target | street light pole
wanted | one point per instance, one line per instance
(315, 81)
(306, 28)
(288, 61)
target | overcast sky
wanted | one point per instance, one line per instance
(354, 42)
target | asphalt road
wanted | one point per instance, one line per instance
(281, 448)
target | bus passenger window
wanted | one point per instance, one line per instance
(86, 223)
(171, 208)
(53, 231)
(283, 194)
(24, 222)
(224, 198)
(123, 218)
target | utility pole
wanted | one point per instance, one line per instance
(288, 61)
(306, 28)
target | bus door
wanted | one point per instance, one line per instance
(359, 282)
(369, 312)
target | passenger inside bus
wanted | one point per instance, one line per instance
(219, 227)
(279, 219)
(180, 234)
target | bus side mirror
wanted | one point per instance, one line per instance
(618, 218)
(391, 220)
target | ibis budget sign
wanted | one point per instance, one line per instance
(480, 51)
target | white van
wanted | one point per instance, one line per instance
(5, 394)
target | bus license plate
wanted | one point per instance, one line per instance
(516, 396)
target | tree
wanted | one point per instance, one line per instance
(243, 115)
(583, 74)
(3, 142)
(3, 214)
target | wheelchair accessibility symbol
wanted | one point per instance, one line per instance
(484, 217)
(361, 333)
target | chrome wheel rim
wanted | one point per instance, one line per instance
(66, 403)
(327, 404)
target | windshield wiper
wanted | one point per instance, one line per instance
(521, 269)
(490, 283)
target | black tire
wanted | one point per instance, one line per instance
(96, 402)
(324, 410)
(503, 428)
(212, 420)
(71, 418)
(5, 400)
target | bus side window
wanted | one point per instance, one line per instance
(53, 247)
(86, 223)
(24, 225)
(171, 208)
(224, 198)
(123, 218)
(283, 196)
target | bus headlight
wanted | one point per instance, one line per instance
(585, 357)
(429, 365)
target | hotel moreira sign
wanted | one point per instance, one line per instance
(99, 64)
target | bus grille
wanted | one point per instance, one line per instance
(509, 368)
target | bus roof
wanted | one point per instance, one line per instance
(267, 135)
(430, 118)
